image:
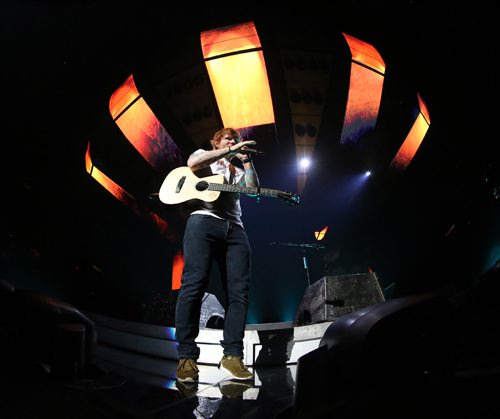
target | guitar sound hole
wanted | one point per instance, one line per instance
(202, 186)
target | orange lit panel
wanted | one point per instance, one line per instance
(320, 235)
(363, 103)
(124, 197)
(116, 190)
(88, 160)
(241, 88)
(229, 39)
(145, 132)
(177, 267)
(365, 54)
(123, 97)
(423, 108)
(411, 144)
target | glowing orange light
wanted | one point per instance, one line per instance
(123, 97)
(413, 140)
(238, 75)
(365, 54)
(88, 160)
(365, 90)
(177, 267)
(109, 184)
(229, 39)
(145, 132)
(320, 234)
(141, 127)
(123, 196)
(423, 108)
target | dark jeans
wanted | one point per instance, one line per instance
(208, 239)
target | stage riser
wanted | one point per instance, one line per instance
(162, 373)
(275, 344)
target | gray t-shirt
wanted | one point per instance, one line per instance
(227, 206)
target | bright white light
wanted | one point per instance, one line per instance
(305, 163)
(367, 173)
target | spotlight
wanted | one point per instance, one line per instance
(368, 173)
(305, 163)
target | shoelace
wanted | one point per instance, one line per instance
(187, 365)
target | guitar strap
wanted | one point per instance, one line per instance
(232, 171)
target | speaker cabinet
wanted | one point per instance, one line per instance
(333, 296)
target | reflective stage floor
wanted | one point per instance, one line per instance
(29, 391)
(131, 373)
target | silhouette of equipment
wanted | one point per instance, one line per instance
(53, 334)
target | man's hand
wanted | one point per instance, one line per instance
(238, 149)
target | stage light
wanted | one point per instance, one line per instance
(304, 163)
(368, 173)
(320, 235)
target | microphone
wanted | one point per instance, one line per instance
(246, 149)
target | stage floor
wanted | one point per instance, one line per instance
(127, 383)
(29, 392)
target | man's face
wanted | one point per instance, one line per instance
(227, 141)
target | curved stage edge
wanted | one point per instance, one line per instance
(151, 350)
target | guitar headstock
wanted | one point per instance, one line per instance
(289, 198)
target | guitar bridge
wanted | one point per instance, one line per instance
(180, 184)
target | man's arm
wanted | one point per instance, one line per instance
(251, 178)
(197, 161)
(201, 159)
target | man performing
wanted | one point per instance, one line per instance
(214, 232)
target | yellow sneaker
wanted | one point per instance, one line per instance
(187, 370)
(234, 366)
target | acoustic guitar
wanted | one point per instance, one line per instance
(182, 185)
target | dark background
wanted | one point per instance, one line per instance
(63, 234)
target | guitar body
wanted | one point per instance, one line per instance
(181, 185)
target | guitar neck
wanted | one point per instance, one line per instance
(249, 190)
